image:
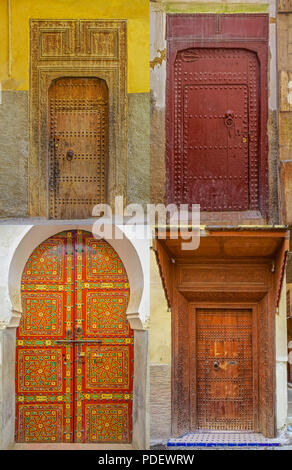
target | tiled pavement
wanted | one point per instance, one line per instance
(223, 438)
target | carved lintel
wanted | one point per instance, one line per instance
(284, 6)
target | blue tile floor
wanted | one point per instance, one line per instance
(202, 438)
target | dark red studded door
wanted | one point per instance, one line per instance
(218, 133)
(216, 110)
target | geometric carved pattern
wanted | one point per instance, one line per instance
(105, 312)
(78, 71)
(107, 368)
(61, 302)
(224, 369)
(103, 260)
(40, 423)
(40, 370)
(284, 5)
(42, 314)
(109, 424)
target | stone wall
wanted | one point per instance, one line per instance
(138, 148)
(13, 153)
(7, 387)
(160, 402)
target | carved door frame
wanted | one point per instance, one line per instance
(182, 385)
(193, 307)
(67, 48)
(194, 35)
(230, 266)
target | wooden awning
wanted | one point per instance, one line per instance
(225, 244)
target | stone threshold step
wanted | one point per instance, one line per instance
(220, 439)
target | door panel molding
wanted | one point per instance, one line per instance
(76, 48)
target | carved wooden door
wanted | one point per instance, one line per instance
(78, 146)
(224, 368)
(215, 116)
(74, 364)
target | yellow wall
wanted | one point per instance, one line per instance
(160, 319)
(135, 11)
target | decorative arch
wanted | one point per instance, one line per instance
(122, 245)
(135, 257)
(74, 350)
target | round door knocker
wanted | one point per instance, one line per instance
(229, 118)
(69, 155)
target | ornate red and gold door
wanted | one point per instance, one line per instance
(74, 365)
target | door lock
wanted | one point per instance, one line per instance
(216, 365)
(79, 330)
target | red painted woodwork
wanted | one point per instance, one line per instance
(74, 368)
(216, 111)
(225, 398)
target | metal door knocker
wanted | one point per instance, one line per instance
(69, 155)
(229, 118)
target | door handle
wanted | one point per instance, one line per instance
(69, 333)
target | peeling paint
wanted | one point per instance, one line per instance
(216, 7)
(158, 59)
